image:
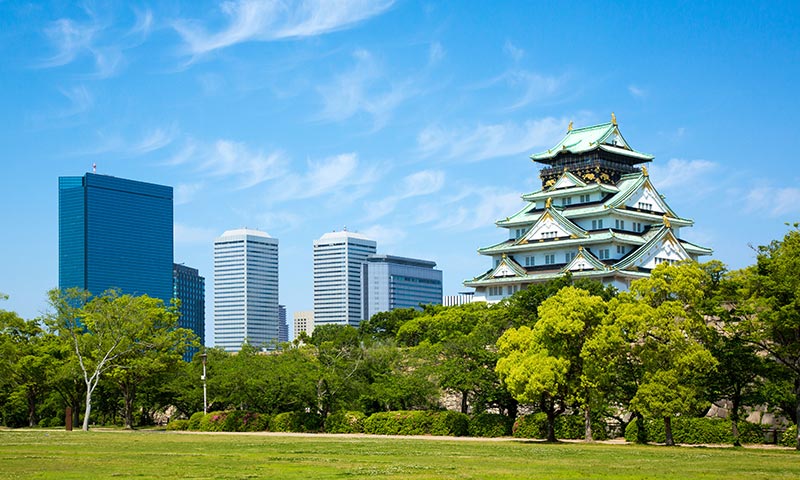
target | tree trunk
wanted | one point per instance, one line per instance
(668, 432)
(88, 409)
(464, 405)
(31, 394)
(735, 420)
(550, 410)
(587, 424)
(797, 410)
(641, 431)
(128, 409)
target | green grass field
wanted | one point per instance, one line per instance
(153, 454)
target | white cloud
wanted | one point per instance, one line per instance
(475, 208)
(184, 234)
(70, 39)
(681, 174)
(232, 159)
(154, 140)
(362, 89)
(385, 236)
(489, 141)
(417, 184)
(256, 20)
(144, 23)
(636, 91)
(323, 177)
(185, 192)
(513, 51)
(776, 201)
(81, 100)
(436, 53)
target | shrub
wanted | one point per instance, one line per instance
(178, 425)
(402, 422)
(345, 422)
(567, 427)
(296, 422)
(194, 421)
(449, 423)
(530, 426)
(490, 425)
(213, 422)
(789, 437)
(255, 422)
(695, 431)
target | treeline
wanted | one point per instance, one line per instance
(687, 336)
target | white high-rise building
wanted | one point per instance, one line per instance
(304, 322)
(338, 257)
(245, 289)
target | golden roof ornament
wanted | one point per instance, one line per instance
(666, 221)
(569, 127)
(549, 202)
(613, 119)
(644, 171)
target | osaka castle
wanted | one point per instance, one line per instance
(597, 215)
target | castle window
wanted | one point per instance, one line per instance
(644, 206)
(597, 224)
(566, 201)
(550, 259)
(586, 198)
(603, 254)
(621, 249)
(569, 256)
(530, 261)
(619, 224)
(549, 234)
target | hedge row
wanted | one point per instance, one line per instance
(695, 431)
(567, 427)
(384, 423)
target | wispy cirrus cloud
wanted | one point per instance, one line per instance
(637, 92)
(185, 192)
(386, 236)
(482, 142)
(364, 88)
(330, 175)
(682, 174)
(226, 158)
(435, 53)
(776, 201)
(258, 20)
(425, 182)
(513, 51)
(154, 140)
(469, 209)
(95, 38)
(185, 234)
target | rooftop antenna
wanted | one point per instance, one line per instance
(94, 168)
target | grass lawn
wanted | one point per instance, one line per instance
(154, 454)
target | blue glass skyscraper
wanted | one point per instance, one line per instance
(115, 233)
(190, 288)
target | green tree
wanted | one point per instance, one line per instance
(773, 316)
(543, 364)
(658, 333)
(102, 331)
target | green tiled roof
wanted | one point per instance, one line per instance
(586, 139)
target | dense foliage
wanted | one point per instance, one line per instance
(573, 353)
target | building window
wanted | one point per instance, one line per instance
(619, 224)
(621, 249)
(569, 256)
(550, 259)
(603, 254)
(566, 201)
(660, 260)
(637, 226)
(519, 232)
(644, 206)
(549, 234)
(530, 261)
(586, 198)
(597, 224)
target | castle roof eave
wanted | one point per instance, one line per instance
(587, 139)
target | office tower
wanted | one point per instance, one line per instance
(245, 289)
(115, 233)
(337, 277)
(597, 216)
(391, 282)
(304, 322)
(283, 327)
(461, 298)
(190, 288)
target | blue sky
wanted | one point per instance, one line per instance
(409, 121)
